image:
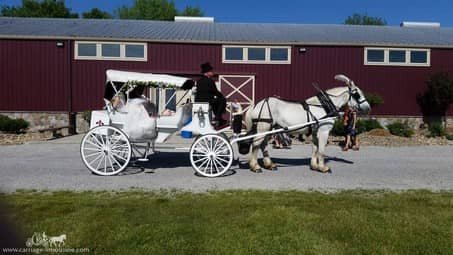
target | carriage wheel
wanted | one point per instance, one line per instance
(211, 155)
(105, 150)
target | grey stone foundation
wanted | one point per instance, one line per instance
(416, 122)
(43, 120)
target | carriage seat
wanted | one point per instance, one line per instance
(176, 121)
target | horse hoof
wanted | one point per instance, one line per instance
(325, 170)
(272, 167)
(257, 171)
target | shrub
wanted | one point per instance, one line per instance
(400, 129)
(86, 115)
(436, 129)
(365, 125)
(338, 129)
(12, 125)
(449, 136)
(374, 99)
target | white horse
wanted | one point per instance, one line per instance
(57, 241)
(275, 111)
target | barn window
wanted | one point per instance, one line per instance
(279, 54)
(123, 51)
(256, 54)
(111, 50)
(377, 56)
(397, 57)
(234, 53)
(419, 57)
(135, 51)
(87, 49)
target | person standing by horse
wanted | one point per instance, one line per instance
(349, 124)
(207, 92)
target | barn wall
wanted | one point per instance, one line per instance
(89, 75)
(397, 85)
(33, 76)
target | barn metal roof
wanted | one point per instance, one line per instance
(235, 33)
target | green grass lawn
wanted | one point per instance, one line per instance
(241, 222)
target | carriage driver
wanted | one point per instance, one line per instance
(207, 92)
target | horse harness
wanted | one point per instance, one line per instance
(326, 103)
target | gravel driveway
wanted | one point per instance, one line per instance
(52, 166)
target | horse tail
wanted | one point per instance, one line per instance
(248, 118)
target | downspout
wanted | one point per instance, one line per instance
(71, 115)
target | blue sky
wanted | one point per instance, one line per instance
(297, 11)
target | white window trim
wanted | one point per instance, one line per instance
(99, 51)
(245, 59)
(387, 58)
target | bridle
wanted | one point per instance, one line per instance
(354, 94)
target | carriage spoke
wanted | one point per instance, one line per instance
(205, 162)
(214, 148)
(219, 163)
(100, 161)
(216, 165)
(111, 164)
(198, 160)
(92, 154)
(116, 161)
(105, 164)
(218, 148)
(118, 156)
(224, 160)
(95, 136)
(201, 149)
(210, 165)
(120, 146)
(206, 145)
(91, 149)
(96, 145)
(97, 158)
(199, 155)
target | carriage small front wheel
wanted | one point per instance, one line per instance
(105, 150)
(211, 155)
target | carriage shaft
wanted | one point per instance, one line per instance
(280, 130)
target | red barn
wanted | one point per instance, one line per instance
(52, 67)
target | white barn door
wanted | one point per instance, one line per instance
(240, 88)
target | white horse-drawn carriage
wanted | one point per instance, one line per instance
(130, 126)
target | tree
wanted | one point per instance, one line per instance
(438, 96)
(96, 13)
(358, 19)
(155, 10)
(39, 8)
(191, 11)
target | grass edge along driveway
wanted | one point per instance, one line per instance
(240, 222)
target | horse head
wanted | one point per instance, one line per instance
(357, 99)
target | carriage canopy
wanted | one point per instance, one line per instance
(117, 80)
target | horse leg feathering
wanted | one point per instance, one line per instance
(267, 161)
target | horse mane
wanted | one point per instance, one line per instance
(337, 91)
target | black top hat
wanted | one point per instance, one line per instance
(206, 67)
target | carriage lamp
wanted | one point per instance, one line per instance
(60, 44)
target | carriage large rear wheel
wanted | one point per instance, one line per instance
(211, 155)
(105, 150)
